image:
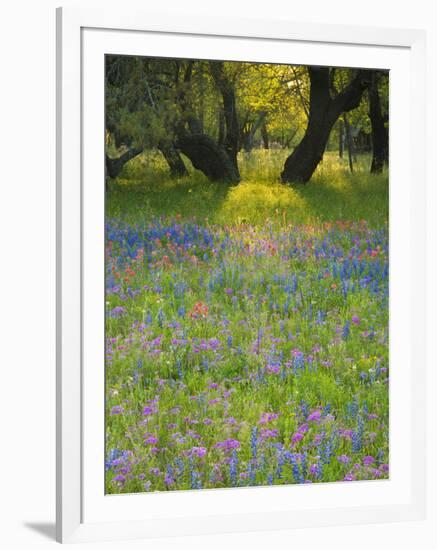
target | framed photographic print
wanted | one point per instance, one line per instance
(240, 275)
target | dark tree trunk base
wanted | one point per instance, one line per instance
(379, 131)
(174, 161)
(324, 112)
(114, 166)
(208, 157)
(301, 164)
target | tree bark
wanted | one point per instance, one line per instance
(174, 160)
(217, 161)
(323, 113)
(340, 139)
(114, 166)
(227, 89)
(350, 143)
(208, 156)
(248, 136)
(221, 127)
(379, 131)
(265, 136)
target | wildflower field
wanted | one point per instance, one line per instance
(246, 328)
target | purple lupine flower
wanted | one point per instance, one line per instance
(347, 434)
(150, 440)
(214, 401)
(314, 416)
(120, 478)
(116, 409)
(268, 434)
(344, 459)
(355, 320)
(368, 460)
(298, 436)
(198, 451)
(117, 311)
(268, 417)
(273, 369)
(213, 344)
(228, 444)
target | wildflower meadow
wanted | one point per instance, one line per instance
(246, 327)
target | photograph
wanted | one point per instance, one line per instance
(246, 274)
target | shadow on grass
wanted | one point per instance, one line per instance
(344, 196)
(144, 191)
(140, 199)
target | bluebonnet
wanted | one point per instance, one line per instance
(357, 436)
(254, 441)
(296, 470)
(233, 468)
(346, 330)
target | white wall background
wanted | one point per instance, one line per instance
(27, 279)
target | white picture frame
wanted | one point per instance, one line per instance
(83, 512)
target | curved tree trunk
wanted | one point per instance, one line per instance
(248, 136)
(323, 113)
(114, 166)
(174, 160)
(379, 131)
(207, 155)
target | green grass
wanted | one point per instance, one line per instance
(144, 188)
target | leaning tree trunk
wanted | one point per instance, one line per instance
(174, 160)
(217, 161)
(208, 156)
(114, 166)
(379, 131)
(323, 113)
